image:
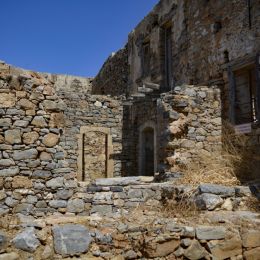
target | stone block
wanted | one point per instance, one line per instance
(208, 201)
(217, 190)
(26, 154)
(210, 233)
(251, 238)
(7, 100)
(9, 256)
(21, 182)
(41, 174)
(6, 162)
(224, 249)
(5, 122)
(39, 121)
(55, 183)
(30, 138)
(195, 251)
(58, 204)
(26, 240)
(253, 254)
(50, 140)
(26, 104)
(13, 136)
(76, 205)
(9, 172)
(70, 239)
(101, 209)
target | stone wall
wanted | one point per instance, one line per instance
(112, 78)
(187, 124)
(204, 37)
(40, 138)
(128, 221)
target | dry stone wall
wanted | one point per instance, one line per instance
(39, 139)
(112, 78)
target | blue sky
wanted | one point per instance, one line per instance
(66, 36)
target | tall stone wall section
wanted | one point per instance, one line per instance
(39, 136)
(204, 37)
(112, 78)
(187, 123)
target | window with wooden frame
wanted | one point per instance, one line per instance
(245, 93)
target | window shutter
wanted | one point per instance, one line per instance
(232, 95)
(258, 86)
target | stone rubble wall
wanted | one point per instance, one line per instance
(130, 235)
(187, 123)
(39, 132)
(195, 124)
(112, 78)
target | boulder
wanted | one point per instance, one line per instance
(26, 240)
(71, 239)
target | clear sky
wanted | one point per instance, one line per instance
(66, 36)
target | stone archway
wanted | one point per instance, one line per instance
(147, 150)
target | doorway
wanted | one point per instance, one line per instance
(147, 153)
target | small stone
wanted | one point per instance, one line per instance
(10, 202)
(50, 140)
(58, 204)
(5, 122)
(251, 238)
(30, 138)
(9, 172)
(7, 100)
(195, 251)
(98, 104)
(26, 240)
(26, 104)
(64, 194)
(47, 252)
(3, 239)
(24, 208)
(6, 162)
(13, 136)
(21, 182)
(21, 123)
(26, 154)
(208, 201)
(10, 256)
(217, 190)
(252, 254)
(45, 156)
(227, 205)
(55, 183)
(54, 106)
(131, 254)
(76, 205)
(101, 209)
(41, 174)
(39, 121)
(2, 195)
(71, 239)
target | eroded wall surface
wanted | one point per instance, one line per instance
(112, 78)
(205, 35)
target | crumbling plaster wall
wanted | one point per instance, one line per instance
(201, 33)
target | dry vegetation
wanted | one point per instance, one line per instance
(229, 167)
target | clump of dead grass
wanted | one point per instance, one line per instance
(226, 167)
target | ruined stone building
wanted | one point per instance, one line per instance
(156, 105)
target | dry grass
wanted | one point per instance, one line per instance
(227, 167)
